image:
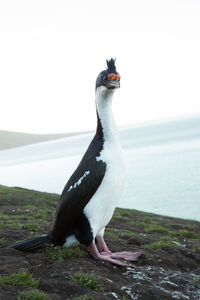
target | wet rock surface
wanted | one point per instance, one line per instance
(169, 267)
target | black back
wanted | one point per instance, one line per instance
(72, 202)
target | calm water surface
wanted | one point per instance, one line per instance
(162, 159)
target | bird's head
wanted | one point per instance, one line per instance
(109, 78)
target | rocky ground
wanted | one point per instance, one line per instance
(169, 267)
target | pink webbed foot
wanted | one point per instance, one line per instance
(129, 256)
(106, 257)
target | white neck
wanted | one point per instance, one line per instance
(104, 110)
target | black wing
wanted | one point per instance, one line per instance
(78, 191)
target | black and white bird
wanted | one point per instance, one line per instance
(90, 196)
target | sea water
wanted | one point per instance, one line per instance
(162, 162)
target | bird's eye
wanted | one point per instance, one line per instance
(104, 78)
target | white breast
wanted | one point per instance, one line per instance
(100, 208)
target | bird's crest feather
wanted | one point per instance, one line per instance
(111, 65)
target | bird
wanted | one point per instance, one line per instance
(91, 194)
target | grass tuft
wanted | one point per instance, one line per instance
(33, 295)
(86, 280)
(3, 216)
(126, 214)
(60, 254)
(157, 228)
(30, 206)
(2, 225)
(31, 227)
(111, 233)
(157, 245)
(22, 278)
(188, 234)
(138, 224)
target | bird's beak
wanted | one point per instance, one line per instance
(113, 84)
(113, 81)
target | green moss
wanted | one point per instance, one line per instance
(126, 214)
(46, 210)
(156, 228)
(19, 217)
(2, 225)
(60, 254)
(13, 224)
(194, 249)
(168, 238)
(3, 216)
(186, 233)
(86, 280)
(162, 243)
(138, 224)
(116, 233)
(127, 233)
(40, 216)
(31, 227)
(33, 295)
(111, 233)
(22, 278)
(189, 226)
(157, 245)
(149, 220)
(117, 216)
(30, 206)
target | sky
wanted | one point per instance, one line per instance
(52, 51)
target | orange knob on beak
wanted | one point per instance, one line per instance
(113, 77)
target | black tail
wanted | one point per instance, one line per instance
(32, 244)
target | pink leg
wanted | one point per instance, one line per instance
(95, 253)
(102, 245)
(131, 256)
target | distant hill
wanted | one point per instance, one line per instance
(10, 139)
